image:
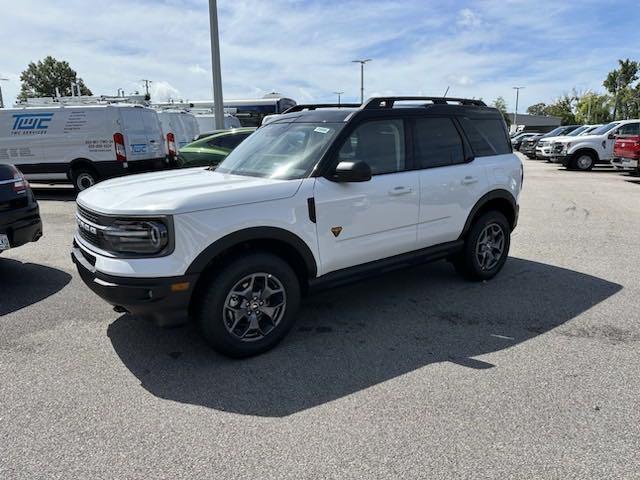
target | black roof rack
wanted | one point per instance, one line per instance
(315, 106)
(388, 102)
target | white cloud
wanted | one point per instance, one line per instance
(304, 49)
(467, 18)
(197, 69)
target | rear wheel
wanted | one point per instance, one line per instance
(83, 177)
(249, 305)
(486, 247)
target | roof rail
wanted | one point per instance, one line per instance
(314, 106)
(388, 102)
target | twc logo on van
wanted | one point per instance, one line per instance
(31, 123)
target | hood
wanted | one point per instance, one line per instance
(182, 191)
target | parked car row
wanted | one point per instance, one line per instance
(581, 147)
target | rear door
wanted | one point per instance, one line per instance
(135, 136)
(153, 132)
(366, 221)
(450, 181)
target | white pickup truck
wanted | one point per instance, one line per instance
(585, 151)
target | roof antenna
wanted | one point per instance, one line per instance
(446, 91)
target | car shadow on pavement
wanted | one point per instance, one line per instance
(23, 284)
(358, 336)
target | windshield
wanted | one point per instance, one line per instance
(281, 150)
(605, 128)
(589, 130)
(577, 131)
(554, 133)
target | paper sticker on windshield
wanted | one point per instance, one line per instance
(322, 130)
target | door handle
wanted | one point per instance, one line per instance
(400, 191)
(469, 180)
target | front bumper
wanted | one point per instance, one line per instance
(164, 300)
(22, 226)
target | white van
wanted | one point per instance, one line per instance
(179, 127)
(82, 144)
(207, 122)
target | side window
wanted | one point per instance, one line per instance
(227, 141)
(437, 143)
(379, 143)
(486, 135)
(629, 129)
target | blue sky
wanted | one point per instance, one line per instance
(303, 48)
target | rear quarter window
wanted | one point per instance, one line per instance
(487, 135)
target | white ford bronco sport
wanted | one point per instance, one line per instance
(316, 197)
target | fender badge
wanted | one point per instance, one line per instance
(336, 231)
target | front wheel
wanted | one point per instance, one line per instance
(248, 306)
(486, 247)
(583, 162)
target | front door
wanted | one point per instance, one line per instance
(366, 221)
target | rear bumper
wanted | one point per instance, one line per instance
(113, 169)
(21, 226)
(163, 300)
(626, 164)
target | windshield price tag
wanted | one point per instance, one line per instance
(322, 130)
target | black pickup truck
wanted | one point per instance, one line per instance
(19, 214)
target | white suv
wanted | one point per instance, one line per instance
(318, 196)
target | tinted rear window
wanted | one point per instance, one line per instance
(486, 135)
(6, 172)
(437, 143)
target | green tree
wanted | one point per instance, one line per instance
(619, 84)
(41, 79)
(501, 105)
(593, 108)
(537, 109)
(563, 108)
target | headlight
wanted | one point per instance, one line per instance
(141, 237)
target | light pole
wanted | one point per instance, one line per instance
(146, 87)
(1, 101)
(361, 62)
(218, 106)
(338, 93)
(515, 115)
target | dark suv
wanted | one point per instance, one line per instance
(19, 214)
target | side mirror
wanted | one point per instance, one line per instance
(351, 172)
(612, 136)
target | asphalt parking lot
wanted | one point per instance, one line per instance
(414, 374)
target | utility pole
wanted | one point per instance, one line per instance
(1, 101)
(361, 62)
(146, 86)
(215, 66)
(338, 93)
(515, 115)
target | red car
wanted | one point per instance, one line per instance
(626, 153)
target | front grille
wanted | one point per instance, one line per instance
(91, 216)
(88, 232)
(92, 238)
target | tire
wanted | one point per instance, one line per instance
(468, 262)
(83, 177)
(583, 162)
(222, 309)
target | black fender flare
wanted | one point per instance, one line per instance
(492, 196)
(252, 234)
